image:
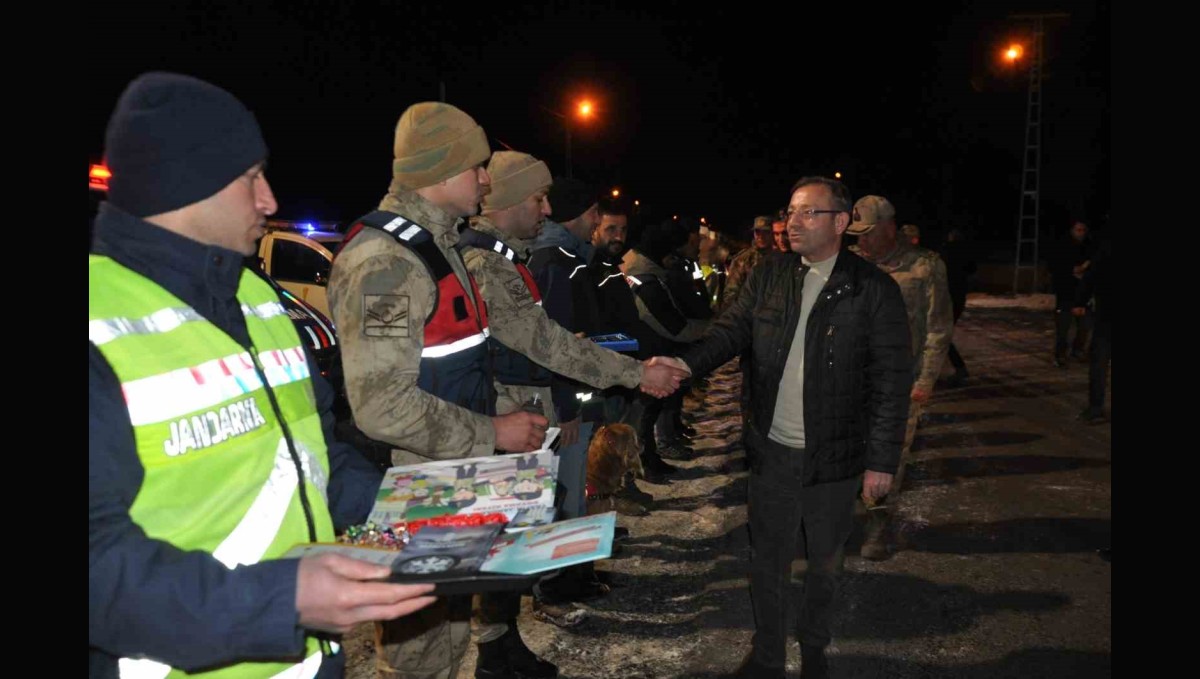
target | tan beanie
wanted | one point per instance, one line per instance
(434, 142)
(515, 177)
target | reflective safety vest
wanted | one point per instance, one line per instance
(222, 474)
(454, 361)
(511, 367)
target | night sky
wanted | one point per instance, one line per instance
(709, 113)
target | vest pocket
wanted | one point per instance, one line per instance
(460, 308)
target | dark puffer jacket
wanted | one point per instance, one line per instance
(857, 358)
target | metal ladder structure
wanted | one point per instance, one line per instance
(1030, 200)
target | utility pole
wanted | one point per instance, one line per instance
(1030, 198)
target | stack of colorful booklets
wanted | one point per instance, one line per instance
(437, 507)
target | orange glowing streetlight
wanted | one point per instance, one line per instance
(1014, 52)
(585, 109)
(837, 175)
(616, 192)
(98, 176)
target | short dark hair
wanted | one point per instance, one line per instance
(841, 194)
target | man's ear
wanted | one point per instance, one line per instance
(841, 221)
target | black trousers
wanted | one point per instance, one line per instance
(1063, 319)
(669, 418)
(956, 359)
(1101, 352)
(781, 514)
(651, 409)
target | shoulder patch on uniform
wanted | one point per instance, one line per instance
(385, 315)
(517, 290)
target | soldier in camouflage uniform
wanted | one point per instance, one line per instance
(530, 344)
(922, 279)
(745, 261)
(495, 250)
(414, 347)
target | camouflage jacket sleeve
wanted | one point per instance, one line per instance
(520, 324)
(939, 326)
(739, 268)
(379, 295)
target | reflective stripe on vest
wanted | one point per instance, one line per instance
(456, 346)
(178, 392)
(218, 475)
(149, 669)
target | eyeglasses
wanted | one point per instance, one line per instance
(811, 214)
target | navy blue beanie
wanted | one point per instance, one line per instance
(570, 198)
(174, 140)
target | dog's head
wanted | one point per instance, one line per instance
(614, 451)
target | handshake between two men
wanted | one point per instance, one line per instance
(522, 431)
(662, 375)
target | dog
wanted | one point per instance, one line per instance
(614, 452)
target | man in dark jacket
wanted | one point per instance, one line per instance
(560, 253)
(1066, 269)
(1095, 297)
(204, 466)
(959, 267)
(659, 308)
(831, 377)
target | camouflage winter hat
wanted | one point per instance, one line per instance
(869, 211)
(762, 223)
(515, 177)
(434, 142)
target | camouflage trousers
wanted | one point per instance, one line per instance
(910, 432)
(430, 643)
(427, 644)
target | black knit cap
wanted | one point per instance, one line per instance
(174, 140)
(659, 239)
(570, 198)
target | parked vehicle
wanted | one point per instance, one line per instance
(299, 256)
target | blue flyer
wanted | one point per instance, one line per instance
(545, 548)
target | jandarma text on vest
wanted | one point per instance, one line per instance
(213, 427)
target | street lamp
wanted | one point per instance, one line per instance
(1029, 209)
(616, 192)
(584, 110)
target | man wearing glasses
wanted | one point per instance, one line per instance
(830, 376)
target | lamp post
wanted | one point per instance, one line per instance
(584, 109)
(1031, 158)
